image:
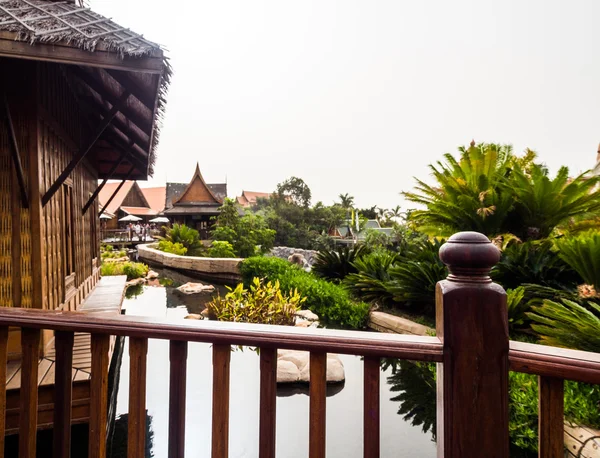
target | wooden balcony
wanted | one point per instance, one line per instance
(472, 350)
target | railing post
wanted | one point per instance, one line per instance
(472, 323)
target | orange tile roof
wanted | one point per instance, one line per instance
(108, 190)
(139, 211)
(155, 197)
(248, 198)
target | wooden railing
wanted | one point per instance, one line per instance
(471, 348)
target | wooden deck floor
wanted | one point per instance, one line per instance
(107, 297)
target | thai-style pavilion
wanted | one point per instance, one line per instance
(81, 99)
(130, 199)
(250, 198)
(194, 203)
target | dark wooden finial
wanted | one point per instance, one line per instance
(470, 257)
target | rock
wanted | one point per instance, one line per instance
(307, 315)
(135, 282)
(287, 372)
(195, 288)
(298, 259)
(285, 253)
(303, 323)
(193, 316)
(152, 275)
(294, 366)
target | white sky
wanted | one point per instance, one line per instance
(359, 96)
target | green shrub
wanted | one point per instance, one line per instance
(220, 249)
(535, 263)
(131, 269)
(262, 302)
(187, 237)
(111, 254)
(331, 302)
(582, 253)
(335, 265)
(174, 248)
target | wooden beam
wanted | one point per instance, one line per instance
(117, 190)
(64, 54)
(16, 156)
(126, 82)
(82, 153)
(97, 86)
(99, 188)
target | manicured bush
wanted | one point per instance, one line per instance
(187, 237)
(131, 269)
(331, 302)
(220, 249)
(174, 248)
(263, 302)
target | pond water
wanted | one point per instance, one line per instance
(344, 403)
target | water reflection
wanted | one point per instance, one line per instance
(117, 443)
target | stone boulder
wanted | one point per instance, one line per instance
(195, 288)
(152, 275)
(306, 319)
(294, 367)
(193, 316)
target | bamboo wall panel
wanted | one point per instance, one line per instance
(5, 221)
(60, 138)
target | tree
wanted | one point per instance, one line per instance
(295, 190)
(346, 201)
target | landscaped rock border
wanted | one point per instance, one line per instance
(220, 270)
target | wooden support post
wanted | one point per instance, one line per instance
(3, 361)
(220, 401)
(99, 396)
(318, 399)
(28, 395)
(16, 156)
(177, 390)
(63, 389)
(116, 191)
(551, 417)
(83, 152)
(99, 188)
(371, 437)
(136, 428)
(268, 402)
(472, 323)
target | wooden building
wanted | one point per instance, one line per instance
(130, 199)
(194, 203)
(81, 101)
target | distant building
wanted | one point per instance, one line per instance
(130, 199)
(194, 203)
(348, 231)
(250, 198)
(596, 169)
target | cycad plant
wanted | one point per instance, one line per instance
(582, 253)
(370, 281)
(189, 238)
(568, 324)
(468, 195)
(543, 203)
(335, 265)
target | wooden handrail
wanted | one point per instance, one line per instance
(543, 360)
(415, 348)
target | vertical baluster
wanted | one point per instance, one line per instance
(63, 343)
(98, 396)
(177, 387)
(318, 397)
(220, 409)
(551, 417)
(3, 358)
(30, 346)
(136, 432)
(371, 407)
(268, 400)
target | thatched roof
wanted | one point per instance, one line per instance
(114, 60)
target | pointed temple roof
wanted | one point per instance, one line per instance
(196, 197)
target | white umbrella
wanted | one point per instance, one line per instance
(130, 218)
(159, 219)
(105, 216)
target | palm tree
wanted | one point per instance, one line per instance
(346, 201)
